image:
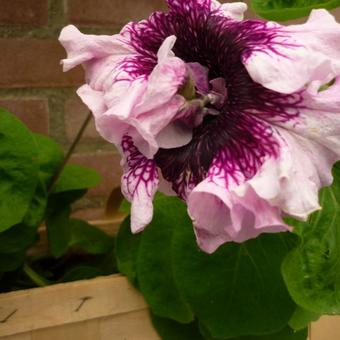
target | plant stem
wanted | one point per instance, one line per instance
(70, 152)
(35, 277)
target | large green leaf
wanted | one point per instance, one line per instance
(50, 157)
(76, 177)
(71, 186)
(58, 233)
(238, 290)
(64, 233)
(312, 270)
(172, 330)
(284, 334)
(89, 238)
(154, 262)
(18, 170)
(62, 201)
(17, 238)
(127, 246)
(282, 10)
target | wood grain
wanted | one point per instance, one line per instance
(67, 303)
(327, 328)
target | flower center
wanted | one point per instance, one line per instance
(203, 97)
(228, 111)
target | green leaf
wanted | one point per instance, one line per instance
(89, 238)
(76, 177)
(36, 210)
(127, 246)
(17, 239)
(58, 233)
(237, 290)
(285, 334)
(154, 263)
(64, 233)
(82, 272)
(71, 185)
(312, 270)
(172, 330)
(58, 202)
(281, 10)
(50, 157)
(18, 170)
(301, 318)
(11, 261)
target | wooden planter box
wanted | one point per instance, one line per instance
(105, 308)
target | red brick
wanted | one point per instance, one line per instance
(107, 165)
(111, 12)
(75, 114)
(35, 63)
(32, 112)
(24, 12)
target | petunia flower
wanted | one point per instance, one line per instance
(239, 118)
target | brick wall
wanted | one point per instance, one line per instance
(33, 86)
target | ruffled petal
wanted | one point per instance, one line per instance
(93, 99)
(233, 10)
(292, 181)
(143, 108)
(221, 214)
(139, 184)
(82, 48)
(163, 82)
(285, 59)
(326, 99)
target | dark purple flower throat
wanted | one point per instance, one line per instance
(241, 133)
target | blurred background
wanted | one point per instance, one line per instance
(33, 86)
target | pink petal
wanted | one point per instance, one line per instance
(163, 83)
(233, 10)
(141, 107)
(165, 51)
(292, 56)
(93, 99)
(82, 48)
(220, 213)
(173, 136)
(292, 181)
(139, 184)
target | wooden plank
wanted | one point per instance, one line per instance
(22, 336)
(327, 328)
(55, 305)
(131, 326)
(85, 330)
